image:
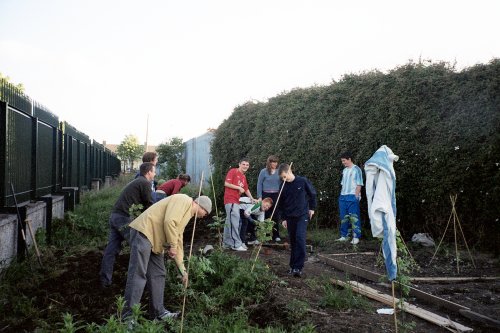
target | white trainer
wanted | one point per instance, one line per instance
(341, 239)
(241, 249)
(355, 241)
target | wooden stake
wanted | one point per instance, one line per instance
(28, 223)
(215, 204)
(189, 257)
(394, 307)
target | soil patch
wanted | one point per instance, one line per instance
(75, 288)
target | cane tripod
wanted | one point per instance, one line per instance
(456, 221)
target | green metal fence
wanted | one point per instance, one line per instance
(40, 155)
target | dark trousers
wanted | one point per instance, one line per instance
(276, 217)
(118, 232)
(246, 227)
(297, 227)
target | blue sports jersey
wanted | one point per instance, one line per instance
(351, 177)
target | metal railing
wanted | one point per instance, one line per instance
(40, 155)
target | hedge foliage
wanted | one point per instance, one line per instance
(443, 123)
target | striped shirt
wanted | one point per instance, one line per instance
(351, 178)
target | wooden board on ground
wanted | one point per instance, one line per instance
(407, 307)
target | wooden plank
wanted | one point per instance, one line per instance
(351, 254)
(455, 279)
(351, 269)
(285, 246)
(481, 318)
(376, 277)
(407, 307)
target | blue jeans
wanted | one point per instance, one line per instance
(349, 205)
(118, 232)
(297, 227)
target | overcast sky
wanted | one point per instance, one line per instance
(105, 65)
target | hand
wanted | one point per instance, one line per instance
(242, 190)
(172, 252)
(311, 213)
(185, 279)
(284, 224)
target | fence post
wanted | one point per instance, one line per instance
(3, 146)
(34, 159)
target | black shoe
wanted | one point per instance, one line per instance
(296, 272)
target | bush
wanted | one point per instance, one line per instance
(443, 124)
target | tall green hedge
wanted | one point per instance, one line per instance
(444, 124)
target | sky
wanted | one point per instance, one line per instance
(159, 69)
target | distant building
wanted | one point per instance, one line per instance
(198, 157)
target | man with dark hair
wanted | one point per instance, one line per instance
(137, 192)
(350, 195)
(296, 206)
(150, 156)
(235, 184)
(173, 186)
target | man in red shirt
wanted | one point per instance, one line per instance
(173, 186)
(235, 184)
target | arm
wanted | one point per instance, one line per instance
(359, 182)
(260, 181)
(146, 195)
(311, 193)
(234, 187)
(247, 192)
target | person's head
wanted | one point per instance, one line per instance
(150, 156)
(185, 179)
(285, 173)
(203, 206)
(271, 163)
(266, 204)
(346, 159)
(244, 165)
(148, 170)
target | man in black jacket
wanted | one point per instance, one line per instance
(136, 192)
(296, 206)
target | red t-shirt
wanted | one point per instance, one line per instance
(173, 186)
(235, 177)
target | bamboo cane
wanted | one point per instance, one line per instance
(28, 223)
(189, 257)
(215, 204)
(394, 307)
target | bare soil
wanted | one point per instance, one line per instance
(75, 289)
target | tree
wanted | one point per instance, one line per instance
(171, 153)
(129, 150)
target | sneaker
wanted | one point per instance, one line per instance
(355, 241)
(167, 314)
(255, 242)
(296, 272)
(241, 248)
(277, 239)
(244, 246)
(342, 239)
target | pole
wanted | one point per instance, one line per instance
(189, 257)
(19, 224)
